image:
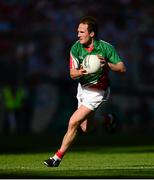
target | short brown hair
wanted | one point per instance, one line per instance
(92, 24)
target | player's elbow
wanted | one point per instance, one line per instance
(72, 76)
(74, 73)
(123, 70)
(121, 67)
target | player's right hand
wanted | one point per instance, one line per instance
(82, 71)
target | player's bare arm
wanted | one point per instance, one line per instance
(119, 67)
(77, 73)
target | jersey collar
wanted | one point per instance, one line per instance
(90, 49)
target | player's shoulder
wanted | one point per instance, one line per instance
(106, 46)
(76, 45)
(105, 43)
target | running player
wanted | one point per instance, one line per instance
(93, 89)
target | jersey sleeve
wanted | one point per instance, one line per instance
(74, 62)
(112, 55)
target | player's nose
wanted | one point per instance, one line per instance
(79, 35)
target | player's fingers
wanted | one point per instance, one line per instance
(81, 66)
(100, 57)
(84, 71)
(103, 61)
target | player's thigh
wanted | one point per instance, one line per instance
(87, 122)
(81, 114)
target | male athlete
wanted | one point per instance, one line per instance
(93, 89)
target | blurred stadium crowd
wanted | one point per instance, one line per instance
(36, 92)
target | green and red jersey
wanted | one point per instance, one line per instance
(100, 79)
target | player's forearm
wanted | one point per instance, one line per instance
(119, 67)
(76, 73)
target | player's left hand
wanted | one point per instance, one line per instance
(102, 60)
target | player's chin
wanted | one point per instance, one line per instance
(81, 41)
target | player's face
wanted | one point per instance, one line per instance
(84, 36)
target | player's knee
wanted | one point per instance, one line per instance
(84, 129)
(84, 126)
(73, 123)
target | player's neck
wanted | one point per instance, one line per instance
(89, 44)
(89, 47)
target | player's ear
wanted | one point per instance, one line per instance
(92, 34)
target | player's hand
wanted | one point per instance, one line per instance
(102, 60)
(82, 71)
(77, 73)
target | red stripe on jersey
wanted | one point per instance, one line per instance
(72, 65)
(71, 62)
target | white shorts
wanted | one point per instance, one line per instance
(91, 98)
